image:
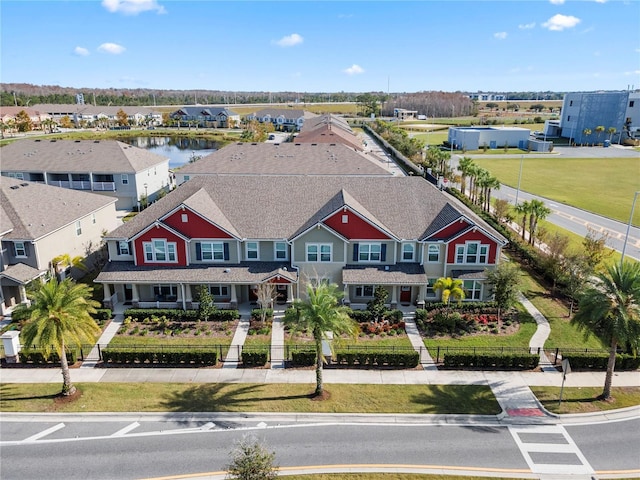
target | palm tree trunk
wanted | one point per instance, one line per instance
(319, 385)
(67, 386)
(606, 392)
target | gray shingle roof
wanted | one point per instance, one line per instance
(36, 210)
(76, 156)
(272, 207)
(246, 272)
(284, 159)
(399, 274)
(21, 273)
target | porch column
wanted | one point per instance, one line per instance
(188, 296)
(180, 295)
(421, 295)
(135, 296)
(289, 293)
(23, 293)
(394, 297)
(105, 289)
(346, 300)
(234, 297)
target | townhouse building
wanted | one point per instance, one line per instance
(40, 222)
(206, 117)
(111, 168)
(232, 233)
(282, 119)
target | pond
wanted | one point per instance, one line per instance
(179, 150)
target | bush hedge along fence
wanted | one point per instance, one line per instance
(128, 356)
(37, 358)
(587, 361)
(491, 362)
(139, 314)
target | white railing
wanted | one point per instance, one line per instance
(81, 184)
(60, 183)
(104, 186)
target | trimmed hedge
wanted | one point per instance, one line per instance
(254, 359)
(362, 316)
(129, 356)
(102, 314)
(590, 361)
(303, 359)
(373, 358)
(139, 314)
(37, 358)
(494, 362)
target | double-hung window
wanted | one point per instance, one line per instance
(472, 289)
(365, 291)
(78, 228)
(160, 251)
(408, 252)
(369, 252)
(20, 249)
(280, 251)
(318, 252)
(212, 251)
(219, 290)
(252, 251)
(123, 248)
(433, 253)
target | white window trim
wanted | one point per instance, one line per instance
(23, 248)
(220, 287)
(413, 252)
(213, 252)
(362, 287)
(436, 246)
(78, 228)
(257, 250)
(124, 178)
(275, 251)
(121, 242)
(166, 251)
(319, 252)
(173, 290)
(479, 289)
(369, 245)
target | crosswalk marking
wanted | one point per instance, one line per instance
(127, 429)
(44, 433)
(561, 456)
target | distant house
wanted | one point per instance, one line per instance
(473, 138)
(404, 114)
(329, 129)
(101, 116)
(108, 167)
(39, 223)
(282, 119)
(282, 159)
(37, 116)
(206, 117)
(231, 233)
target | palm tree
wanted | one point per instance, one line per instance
(586, 132)
(464, 166)
(320, 315)
(523, 209)
(600, 130)
(490, 183)
(537, 211)
(610, 309)
(59, 315)
(63, 261)
(450, 288)
(611, 131)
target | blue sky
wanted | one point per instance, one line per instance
(325, 46)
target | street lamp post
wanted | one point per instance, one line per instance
(626, 237)
(519, 178)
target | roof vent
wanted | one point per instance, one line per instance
(37, 140)
(96, 141)
(24, 184)
(77, 141)
(227, 270)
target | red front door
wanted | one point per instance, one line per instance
(405, 294)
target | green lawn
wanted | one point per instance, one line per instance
(226, 397)
(603, 186)
(584, 399)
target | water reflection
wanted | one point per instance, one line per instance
(179, 150)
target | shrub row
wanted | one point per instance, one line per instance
(256, 313)
(102, 314)
(599, 362)
(361, 316)
(179, 315)
(254, 359)
(303, 359)
(371, 358)
(37, 358)
(508, 361)
(164, 357)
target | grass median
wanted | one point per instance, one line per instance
(585, 399)
(227, 397)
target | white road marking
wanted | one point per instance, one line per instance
(44, 433)
(568, 446)
(125, 430)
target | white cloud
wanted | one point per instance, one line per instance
(556, 2)
(81, 51)
(500, 35)
(559, 22)
(635, 72)
(132, 7)
(601, 1)
(354, 70)
(527, 26)
(289, 40)
(112, 48)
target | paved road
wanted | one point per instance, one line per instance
(82, 448)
